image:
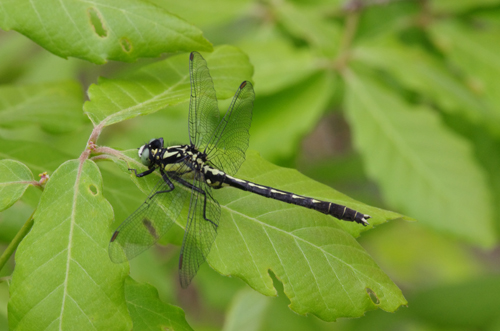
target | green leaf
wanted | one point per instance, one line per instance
(119, 191)
(246, 312)
(15, 178)
(475, 53)
(55, 106)
(170, 124)
(64, 278)
(277, 64)
(39, 157)
(311, 26)
(279, 316)
(389, 19)
(486, 149)
(424, 74)
(125, 198)
(422, 167)
(146, 184)
(163, 84)
(121, 30)
(147, 310)
(322, 267)
(295, 111)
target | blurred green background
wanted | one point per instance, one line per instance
(346, 92)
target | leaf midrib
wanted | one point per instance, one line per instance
(141, 104)
(70, 239)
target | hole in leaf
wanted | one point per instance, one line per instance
(97, 22)
(373, 296)
(93, 189)
(126, 45)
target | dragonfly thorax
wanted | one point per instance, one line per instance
(171, 158)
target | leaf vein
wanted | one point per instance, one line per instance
(248, 248)
(314, 275)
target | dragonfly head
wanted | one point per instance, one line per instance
(149, 150)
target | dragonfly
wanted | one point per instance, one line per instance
(215, 152)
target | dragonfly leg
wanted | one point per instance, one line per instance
(166, 180)
(142, 174)
(197, 189)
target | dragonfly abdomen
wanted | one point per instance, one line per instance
(338, 211)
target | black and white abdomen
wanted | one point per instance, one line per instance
(338, 211)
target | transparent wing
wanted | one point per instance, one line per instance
(227, 148)
(201, 230)
(203, 108)
(148, 223)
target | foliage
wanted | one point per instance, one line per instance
(414, 81)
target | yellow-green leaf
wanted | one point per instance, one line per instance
(15, 178)
(163, 84)
(120, 30)
(64, 278)
(422, 167)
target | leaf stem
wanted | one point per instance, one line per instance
(352, 21)
(5, 279)
(109, 151)
(15, 242)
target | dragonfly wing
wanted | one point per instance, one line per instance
(201, 230)
(148, 223)
(203, 108)
(227, 148)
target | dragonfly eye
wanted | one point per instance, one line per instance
(145, 157)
